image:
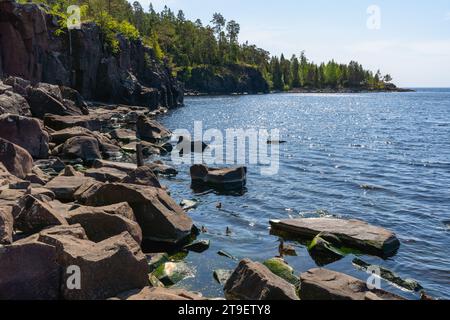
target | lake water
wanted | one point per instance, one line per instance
(382, 158)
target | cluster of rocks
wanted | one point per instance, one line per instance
(64, 204)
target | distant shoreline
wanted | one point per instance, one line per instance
(298, 90)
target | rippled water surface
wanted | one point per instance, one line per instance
(382, 158)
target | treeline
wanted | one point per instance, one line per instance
(185, 44)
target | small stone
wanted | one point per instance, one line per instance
(199, 246)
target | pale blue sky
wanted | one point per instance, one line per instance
(412, 44)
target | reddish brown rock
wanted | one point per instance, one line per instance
(106, 268)
(323, 284)
(100, 225)
(151, 131)
(122, 166)
(15, 159)
(32, 215)
(160, 217)
(142, 176)
(105, 174)
(86, 148)
(6, 225)
(65, 188)
(254, 281)
(14, 103)
(27, 133)
(221, 178)
(29, 272)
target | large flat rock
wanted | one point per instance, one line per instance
(353, 233)
(323, 284)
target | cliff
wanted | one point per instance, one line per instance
(225, 80)
(79, 59)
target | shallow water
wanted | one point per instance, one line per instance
(382, 158)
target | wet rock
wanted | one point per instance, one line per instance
(154, 260)
(25, 132)
(254, 281)
(323, 284)
(170, 273)
(151, 131)
(226, 255)
(161, 294)
(64, 188)
(280, 268)
(160, 218)
(221, 178)
(32, 215)
(100, 225)
(6, 225)
(15, 159)
(222, 276)
(106, 174)
(353, 233)
(198, 246)
(29, 272)
(143, 176)
(186, 146)
(388, 275)
(85, 148)
(325, 252)
(117, 263)
(14, 103)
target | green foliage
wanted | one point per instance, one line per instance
(183, 44)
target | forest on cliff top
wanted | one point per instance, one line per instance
(189, 46)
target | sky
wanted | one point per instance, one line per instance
(409, 39)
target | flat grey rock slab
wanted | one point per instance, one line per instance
(353, 233)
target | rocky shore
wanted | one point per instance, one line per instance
(84, 215)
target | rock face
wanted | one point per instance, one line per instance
(226, 80)
(254, 281)
(13, 103)
(15, 159)
(353, 233)
(32, 51)
(323, 284)
(29, 272)
(107, 268)
(160, 218)
(64, 188)
(27, 133)
(6, 225)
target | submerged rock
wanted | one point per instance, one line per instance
(198, 246)
(279, 267)
(160, 218)
(324, 249)
(353, 233)
(388, 275)
(323, 284)
(170, 273)
(222, 276)
(25, 132)
(254, 281)
(232, 178)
